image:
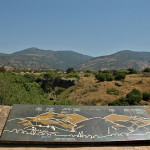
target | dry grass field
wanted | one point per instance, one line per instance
(91, 92)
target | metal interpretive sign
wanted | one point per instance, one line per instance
(76, 124)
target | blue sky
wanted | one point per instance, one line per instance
(92, 27)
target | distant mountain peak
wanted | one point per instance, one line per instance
(28, 51)
(120, 60)
(37, 58)
(32, 48)
(126, 50)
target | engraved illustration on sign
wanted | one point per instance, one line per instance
(77, 124)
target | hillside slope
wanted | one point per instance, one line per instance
(119, 60)
(91, 92)
(37, 58)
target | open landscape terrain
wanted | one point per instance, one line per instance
(71, 87)
(70, 78)
(92, 92)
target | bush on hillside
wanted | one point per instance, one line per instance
(112, 91)
(125, 71)
(73, 75)
(30, 77)
(109, 77)
(120, 76)
(70, 70)
(119, 102)
(146, 96)
(132, 71)
(59, 90)
(100, 77)
(49, 75)
(146, 70)
(107, 71)
(114, 72)
(134, 97)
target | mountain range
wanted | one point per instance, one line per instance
(38, 58)
(120, 60)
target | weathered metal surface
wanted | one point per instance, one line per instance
(77, 124)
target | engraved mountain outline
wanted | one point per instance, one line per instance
(113, 124)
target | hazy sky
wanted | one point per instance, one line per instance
(92, 27)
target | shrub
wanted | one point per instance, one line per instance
(49, 75)
(134, 97)
(146, 70)
(112, 91)
(132, 71)
(114, 72)
(125, 71)
(59, 90)
(120, 76)
(30, 77)
(48, 89)
(70, 70)
(107, 71)
(146, 96)
(100, 77)
(73, 75)
(119, 102)
(109, 77)
(46, 85)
